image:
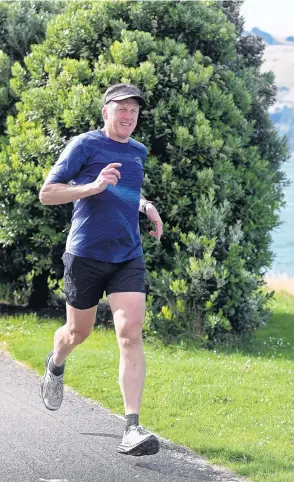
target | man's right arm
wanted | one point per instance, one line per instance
(58, 193)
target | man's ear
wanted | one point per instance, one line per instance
(104, 112)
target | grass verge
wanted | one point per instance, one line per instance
(235, 407)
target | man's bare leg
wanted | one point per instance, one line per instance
(77, 328)
(128, 313)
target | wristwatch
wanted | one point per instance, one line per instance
(143, 207)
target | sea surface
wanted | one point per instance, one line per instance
(283, 236)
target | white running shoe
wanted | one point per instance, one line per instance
(137, 441)
(51, 387)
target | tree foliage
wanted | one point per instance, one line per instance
(214, 164)
(21, 25)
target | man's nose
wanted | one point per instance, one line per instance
(128, 116)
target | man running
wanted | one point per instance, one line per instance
(102, 172)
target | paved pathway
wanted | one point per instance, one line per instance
(78, 442)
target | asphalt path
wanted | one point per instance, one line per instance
(78, 443)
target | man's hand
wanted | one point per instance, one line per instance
(154, 217)
(108, 175)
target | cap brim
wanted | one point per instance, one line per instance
(141, 101)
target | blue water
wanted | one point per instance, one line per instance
(283, 236)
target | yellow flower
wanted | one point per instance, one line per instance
(166, 312)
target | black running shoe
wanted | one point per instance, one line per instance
(138, 442)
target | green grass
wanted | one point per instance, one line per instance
(235, 408)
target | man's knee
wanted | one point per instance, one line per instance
(76, 337)
(129, 333)
(79, 324)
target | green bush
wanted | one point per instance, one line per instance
(214, 168)
(21, 25)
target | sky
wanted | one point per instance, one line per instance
(273, 16)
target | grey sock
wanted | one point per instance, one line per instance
(55, 369)
(132, 419)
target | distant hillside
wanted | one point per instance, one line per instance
(280, 60)
(268, 38)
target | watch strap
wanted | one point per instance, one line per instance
(143, 207)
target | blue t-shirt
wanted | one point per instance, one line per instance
(104, 226)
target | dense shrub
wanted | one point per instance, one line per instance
(214, 163)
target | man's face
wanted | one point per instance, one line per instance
(120, 118)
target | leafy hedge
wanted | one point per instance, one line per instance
(214, 168)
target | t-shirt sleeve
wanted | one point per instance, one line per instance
(144, 154)
(71, 161)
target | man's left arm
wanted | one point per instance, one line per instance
(151, 212)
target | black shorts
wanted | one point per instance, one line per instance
(85, 279)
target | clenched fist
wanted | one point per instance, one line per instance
(108, 175)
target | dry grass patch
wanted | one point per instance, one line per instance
(280, 283)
